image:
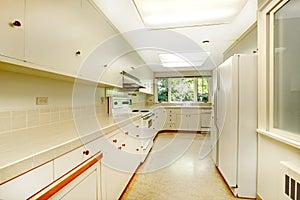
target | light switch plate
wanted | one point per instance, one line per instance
(41, 101)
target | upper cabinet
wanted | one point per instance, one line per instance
(12, 28)
(68, 37)
(145, 74)
(59, 35)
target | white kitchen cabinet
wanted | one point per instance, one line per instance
(81, 182)
(189, 119)
(189, 122)
(159, 118)
(27, 184)
(171, 119)
(114, 182)
(86, 187)
(68, 161)
(12, 36)
(56, 31)
(206, 115)
(123, 155)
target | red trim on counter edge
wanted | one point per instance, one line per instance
(64, 180)
(180, 131)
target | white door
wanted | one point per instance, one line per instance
(227, 120)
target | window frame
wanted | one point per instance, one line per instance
(195, 100)
(267, 75)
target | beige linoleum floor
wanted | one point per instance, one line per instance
(187, 177)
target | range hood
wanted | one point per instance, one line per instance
(131, 82)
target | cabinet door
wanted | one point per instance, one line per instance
(194, 122)
(205, 120)
(53, 34)
(114, 182)
(12, 37)
(86, 189)
(182, 122)
(57, 30)
(26, 185)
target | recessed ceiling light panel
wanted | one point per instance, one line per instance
(185, 59)
(183, 13)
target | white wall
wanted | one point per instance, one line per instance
(18, 109)
(246, 44)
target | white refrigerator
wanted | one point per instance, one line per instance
(235, 120)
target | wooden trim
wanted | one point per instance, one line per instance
(179, 131)
(67, 178)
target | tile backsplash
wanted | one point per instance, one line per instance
(17, 119)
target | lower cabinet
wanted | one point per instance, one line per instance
(65, 163)
(27, 184)
(189, 122)
(86, 189)
(114, 182)
(86, 186)
(81, 182)
(206, 118)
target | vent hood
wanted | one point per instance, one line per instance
(131, 82)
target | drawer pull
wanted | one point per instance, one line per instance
(115, 141)
(126, 133)
(120, 148)
(86, 152)
(123, 145)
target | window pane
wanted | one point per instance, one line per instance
(287, 68)
(162, 90)
(202, 94)
(182, 89)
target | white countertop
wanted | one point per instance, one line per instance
(23, 150)
(26, 149)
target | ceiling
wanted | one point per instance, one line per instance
(124, 15)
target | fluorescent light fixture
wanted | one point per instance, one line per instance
(185, 59)
(182, 13)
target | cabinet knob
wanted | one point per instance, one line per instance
(137, 135)
(77, 53)
(86, 152)
(123, 145)
(16, 23)
(115, 141)
(120, 148)
(137, 149)
(126, 133)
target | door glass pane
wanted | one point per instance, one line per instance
(287, 67)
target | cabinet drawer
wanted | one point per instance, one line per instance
(190, 111)
(65, 163)
(26, 185)
(208, 111)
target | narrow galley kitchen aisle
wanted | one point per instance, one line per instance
(188, 177)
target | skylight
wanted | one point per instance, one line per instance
(186, 59)
(184, 13)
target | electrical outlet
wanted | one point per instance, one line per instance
(41, 101)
